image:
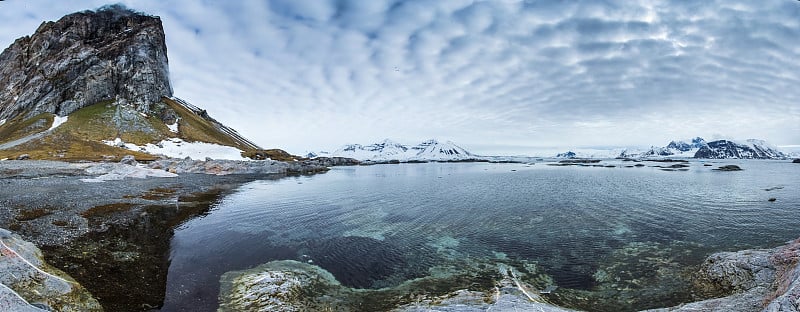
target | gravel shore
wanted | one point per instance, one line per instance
(113, 236)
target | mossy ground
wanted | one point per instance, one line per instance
(19, 128)
(194, 128)
(80, 137)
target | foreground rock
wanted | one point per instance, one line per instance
(752, 280)
(757, 280)
(289, 285)
(27, 283)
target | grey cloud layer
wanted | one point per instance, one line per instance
(317, 74)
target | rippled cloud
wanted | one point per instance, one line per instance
(495, 76)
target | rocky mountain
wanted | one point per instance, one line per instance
(682, 146)
(673, 149)
(694, 148)
(388, 150)
(749, 149)
(95, 85)
(84, 58)
(568, 154)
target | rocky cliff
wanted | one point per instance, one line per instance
(94, 85)
(84, 58)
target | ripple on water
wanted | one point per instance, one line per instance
(580, 228)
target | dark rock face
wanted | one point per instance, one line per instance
(84, 58)
(796, 161)
(722, 149)
(568, 154)
(682, 146)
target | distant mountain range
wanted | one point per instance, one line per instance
(695, 148)
(388, 150)
(433, 150)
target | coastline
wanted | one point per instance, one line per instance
(128, 223)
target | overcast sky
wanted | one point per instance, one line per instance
(496, 77)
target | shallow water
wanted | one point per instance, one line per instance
(604, 232)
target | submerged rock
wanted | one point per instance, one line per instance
(728, 168)
(509, 295)
(27, 283)
(275, 286)
(289, 285)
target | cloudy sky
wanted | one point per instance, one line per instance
(497, 77)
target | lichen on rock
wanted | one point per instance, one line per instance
(29, 284)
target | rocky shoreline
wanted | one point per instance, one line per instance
(765, 280)
(115, 235)
(108, 225)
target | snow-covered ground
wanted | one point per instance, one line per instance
(174, 127)
(111, 172)
(177, 148)
(57, 121)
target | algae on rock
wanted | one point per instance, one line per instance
(30, 284)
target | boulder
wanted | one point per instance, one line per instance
(274, 286)
(23, 157)
(27, 283)
(765, 280)
(128, 160)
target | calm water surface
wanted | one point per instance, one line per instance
(607, 234)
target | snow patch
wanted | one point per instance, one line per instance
(57, 121)
(2, 122)
(178, 148)
(113, 172)
(174, 127)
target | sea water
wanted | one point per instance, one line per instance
(610, 238)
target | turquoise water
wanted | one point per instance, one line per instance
(623, 237)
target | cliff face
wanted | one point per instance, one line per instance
(84, 58)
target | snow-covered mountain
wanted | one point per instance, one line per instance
(748, 149)
(430, 150)
(694, 148)
(680, 149)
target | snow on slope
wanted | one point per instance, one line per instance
(177, 148)
(387, 150)
(57, 121)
